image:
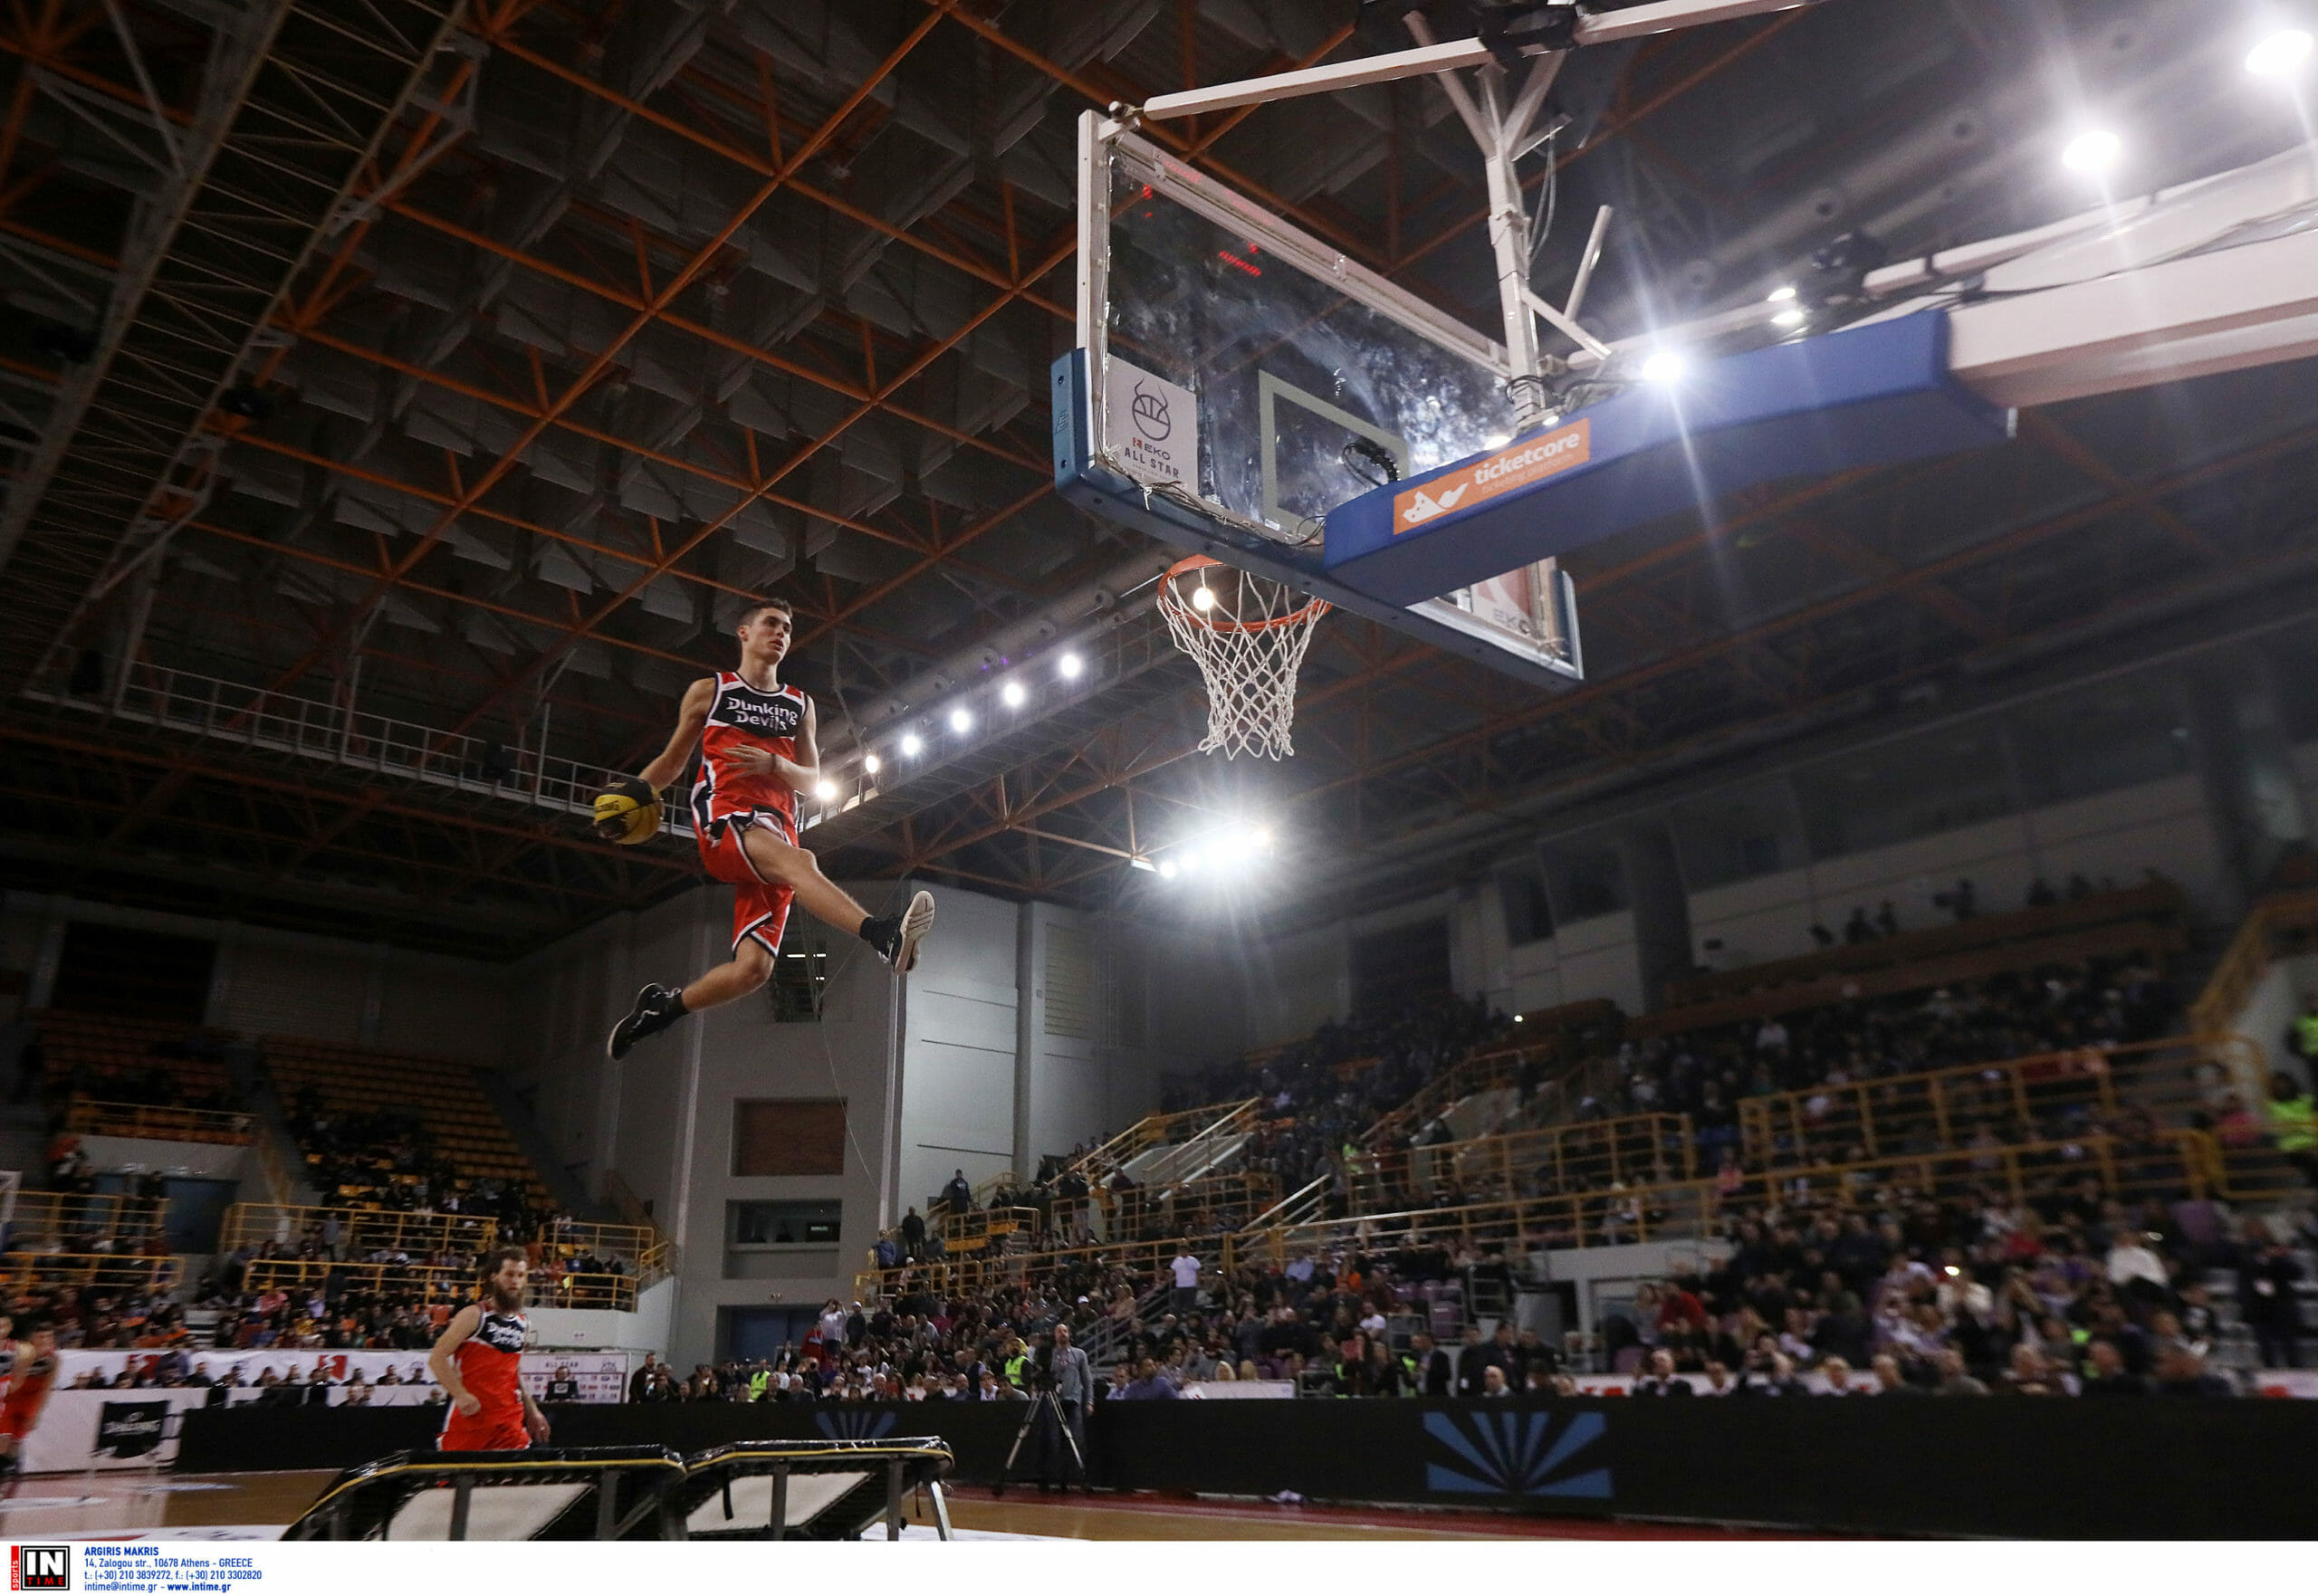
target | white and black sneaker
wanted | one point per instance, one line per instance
(656, 1009)
(895, 936)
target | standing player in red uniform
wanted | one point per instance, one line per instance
(478, 1363)
(31, 1374)
(758, 750)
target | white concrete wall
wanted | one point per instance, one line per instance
(2275, 1004)
(663, 1118)
(647, 1328)
(958, 1048)
(1065, 1086)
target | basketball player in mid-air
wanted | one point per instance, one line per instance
(30, 1376)
(758, 748)
(478, 1361)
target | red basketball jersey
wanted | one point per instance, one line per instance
(741, 715)
(491, 1361)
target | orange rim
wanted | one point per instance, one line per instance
(1310, 609)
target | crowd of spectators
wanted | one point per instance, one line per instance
(386, 1159)
(1323, 1092)
(356, 1291)
(1961, 1293)
(177, 1368)
(2074, 1013)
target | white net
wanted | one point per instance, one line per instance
(1249, 635)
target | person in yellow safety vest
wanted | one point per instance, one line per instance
(759, 1381)
(1014, 1362)
(2301, 1035)
(2294, 1124)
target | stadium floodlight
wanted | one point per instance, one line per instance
(912, 745)
(1167, 870)
(1014, 695)
(1203, 598)
(1665, 365)
(2092, 152)
(825, 792)
(2280, 54)
(1517, 1020)
(1781, 294)
(1262, 837)
(872, 763)
(1789, 319)
(1190, 861)
(962, 719)
(1068, 666)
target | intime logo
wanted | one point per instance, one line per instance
(1529, 460)
(40, 1568)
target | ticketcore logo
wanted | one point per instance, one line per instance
(1523, 464)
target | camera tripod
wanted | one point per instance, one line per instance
(1045, 1405)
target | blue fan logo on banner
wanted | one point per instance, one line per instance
(854, 1427)
(1515, 1455)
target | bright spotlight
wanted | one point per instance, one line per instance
(2092, 152)
(2279, 54)
(1013, 696)
(912, 745)
(872, 763)
(1167, 870)
(1665, 365)
(825, 790)
(1202, 600)
(960, 719)
(1262, 837)
(1517, 1020)
(1496, 440)
(1190, 862)
(1789, 319)
(1068, 666)
(1779, 296)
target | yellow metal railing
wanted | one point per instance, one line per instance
(642, 1247)
(44, 1217)
(2179, 1163)
(1649, 1147)
(111, 1271)
(87, 1117)
(1157, 1213)
(359, 1230)
(986, 1227)
(2288, 923)
(1553, 1037)
(1164, 1130)
(1947, 1108)
(446, 1282)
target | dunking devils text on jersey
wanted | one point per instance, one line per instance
(741, 715)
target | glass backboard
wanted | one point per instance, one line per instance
(1242, 371)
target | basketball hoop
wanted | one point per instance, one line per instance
(1249, 635)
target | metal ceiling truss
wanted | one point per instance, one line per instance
(617, 315)
(294, 99)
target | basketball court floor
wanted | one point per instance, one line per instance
(257, 1506)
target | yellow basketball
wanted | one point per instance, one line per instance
(627, 812)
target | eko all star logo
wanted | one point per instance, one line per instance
(40, 1568)
(1517, 465)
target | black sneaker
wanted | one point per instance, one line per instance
(656, 1009)
(895, 936)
